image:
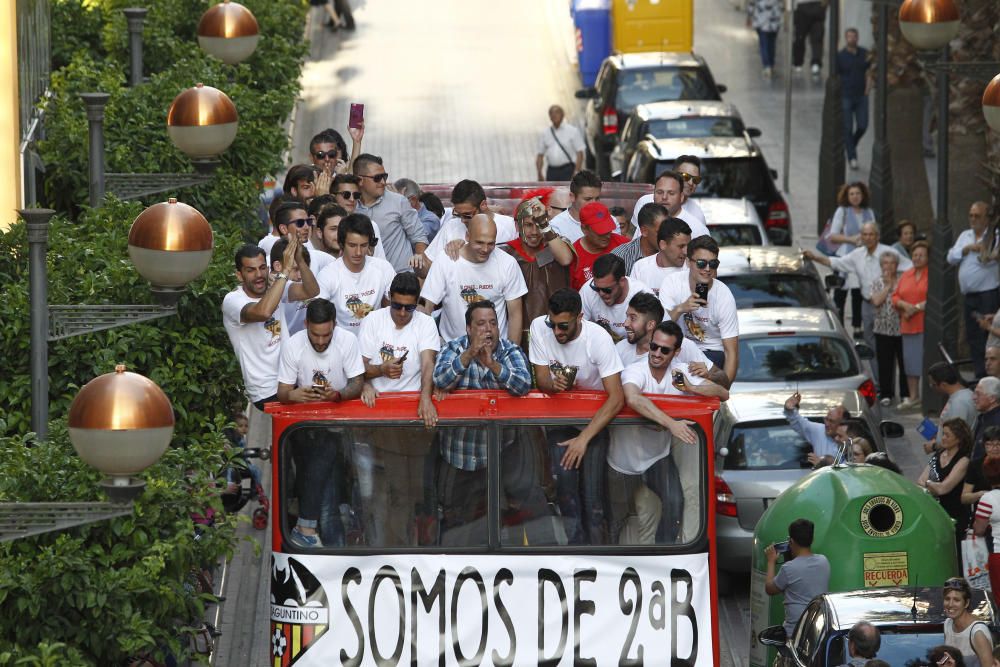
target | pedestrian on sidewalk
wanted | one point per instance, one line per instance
(764, 16)
(852, 67)
(910, 299)
(560, 148)
(853, 210)
(888, 340)
(810, 17)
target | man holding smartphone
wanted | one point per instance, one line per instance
(402, 236)
(803, 576)
(321, 363)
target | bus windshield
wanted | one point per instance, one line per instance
(404, 486)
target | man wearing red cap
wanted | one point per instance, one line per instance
(599, 238)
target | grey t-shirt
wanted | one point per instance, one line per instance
(960, 405)
(801, 580)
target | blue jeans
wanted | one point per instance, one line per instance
(855, 122)
(580, 492)
(317, 455)
(768, 43)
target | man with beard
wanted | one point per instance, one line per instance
(324, 236)
(606, 297)
(599, 238)
(672, 241)
(643, 453)
(542, 255)
(321, 363)
(669, 189)
(568, 352)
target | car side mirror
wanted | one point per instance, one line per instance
(776, 637)
(891, 429)
(864, 351)
(721, 87)
(833, 281)
(753, 133)
(589, 93)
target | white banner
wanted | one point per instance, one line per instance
(490, 610)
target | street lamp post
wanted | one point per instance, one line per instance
(135, 17)
(831, 149)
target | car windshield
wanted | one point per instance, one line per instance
(662, 84)
(729, 177)
(773, 290)
(773, 445)
(694, 127)
(802, 357)
(735, 234)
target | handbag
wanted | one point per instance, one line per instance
(975, 561)
(824, 244)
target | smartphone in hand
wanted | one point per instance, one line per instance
(701, 289)
(357, 118)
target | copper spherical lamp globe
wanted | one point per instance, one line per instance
(170, 244)
(121, 423)
(991, 104)
(228, 31)
(202, 122)
(929, 24)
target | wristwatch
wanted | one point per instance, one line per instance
(279, 275)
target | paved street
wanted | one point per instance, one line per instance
(462, 91)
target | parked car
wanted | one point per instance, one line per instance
(627, 80)
(676, 120)
(910, 621)
(770, 277)
(730, 167)
(785, 349)
(759, 456)
(733, 222)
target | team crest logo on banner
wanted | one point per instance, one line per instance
(300, 611)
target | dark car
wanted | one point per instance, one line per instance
(730, 167)
(627, 80)
(910, 620)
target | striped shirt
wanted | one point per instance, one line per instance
(630, 252)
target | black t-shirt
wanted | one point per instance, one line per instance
(974, 476)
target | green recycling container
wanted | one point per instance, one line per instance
(877, 529)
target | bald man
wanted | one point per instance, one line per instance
(477, 274)
(864, 262)
(976, 256)
(558, 202)
(560, 147)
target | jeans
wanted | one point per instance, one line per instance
(809, 19)
(717, 357)
(981, 303)
(768, 43)
(316, 453)
(580, 492)
(563, 172)
(868, 333)
(889, 353)
(662, 479)
(855, 111)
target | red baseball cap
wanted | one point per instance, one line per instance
(597, 216)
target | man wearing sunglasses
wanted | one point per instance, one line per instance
(292, 220)
(328, 151)
(671, 256)
(606, 297)
(668, 189)
(568, 352)
(402, 236)
(356, 283)
(703, 306)
(638, 454)
(689, 167)
(468, 199)
(479, 274)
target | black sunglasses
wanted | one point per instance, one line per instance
(665, 349)
(347, 194)
(688, 177)
(562, 326)
(378, 178)
(557, 208)
(602, 290)
(408, 307)
(709, 263)
(302, 222)
(956, 583)
(326, 155)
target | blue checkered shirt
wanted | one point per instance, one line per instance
(465, 447)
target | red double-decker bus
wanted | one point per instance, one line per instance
(456, 545)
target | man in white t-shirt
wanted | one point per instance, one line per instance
(294, 311)
(643, 453)
(704, 306)
(689, 167)
(606, 297)
(669, 191)
(255, 321)
(644, 312)
(672, 240)
(356, 283)
(560, 148)
(321, 363)
(468, 199)
(568, 352)
(478, 274)
(583, 189)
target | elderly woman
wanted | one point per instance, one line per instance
(963, 631)
(907, 232)
(888, 340)
(910, 300)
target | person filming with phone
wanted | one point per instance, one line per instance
(803, 575)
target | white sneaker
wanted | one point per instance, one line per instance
(854, 164)
(815, 69)
(908, 403)
(768, 72)
(885, 402)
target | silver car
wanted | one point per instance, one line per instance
(787, 349)
(733, 222)
(758, 456)
(771, 276)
